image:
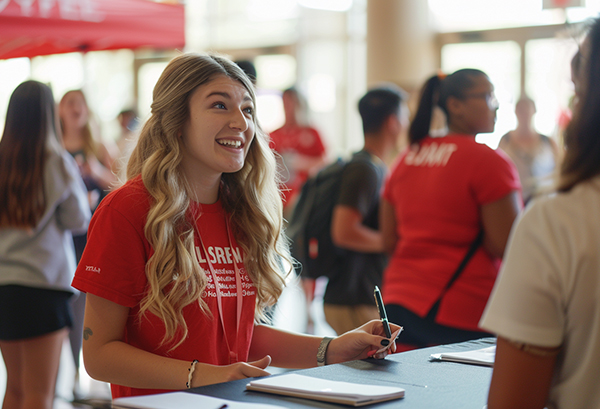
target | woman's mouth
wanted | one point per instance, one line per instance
(230, 143)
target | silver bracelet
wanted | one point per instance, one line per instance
(322, 351)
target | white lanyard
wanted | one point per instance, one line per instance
(233, 356)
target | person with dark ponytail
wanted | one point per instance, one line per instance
(449, 202)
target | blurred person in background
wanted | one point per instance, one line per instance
(95, 160)
(129, 127)
(302, 154)
(348, 300)
(300, 146)
(535, 155)
(449, 202)
(42, 199)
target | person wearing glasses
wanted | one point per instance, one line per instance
(443, 193)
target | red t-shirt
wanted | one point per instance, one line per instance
(113, 267)
(302, 140)
(437, 192)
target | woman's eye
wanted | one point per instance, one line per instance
(219, 105)
(249, 110)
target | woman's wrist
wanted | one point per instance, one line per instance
(191, 371)
(322, 351)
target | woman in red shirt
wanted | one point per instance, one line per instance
(441, 193)
(183, 259)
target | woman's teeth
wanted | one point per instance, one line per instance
(233, 144)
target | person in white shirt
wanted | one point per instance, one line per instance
(545, 306)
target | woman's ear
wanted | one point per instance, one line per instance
(454, 105)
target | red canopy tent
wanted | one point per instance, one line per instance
(42, 27)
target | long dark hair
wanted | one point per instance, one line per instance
(30, 121)
(436, 92)
(582, 136)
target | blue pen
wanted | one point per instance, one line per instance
(382, 313)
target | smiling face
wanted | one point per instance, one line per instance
(217, 135)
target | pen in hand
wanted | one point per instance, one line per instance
(382, 313)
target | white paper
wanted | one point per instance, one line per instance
(483, 356)
(184, 400)
(325, 389)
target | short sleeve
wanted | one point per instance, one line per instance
(525, 304)
(494, 176)
(115, 256)
(359, 186)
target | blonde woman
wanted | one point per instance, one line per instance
(42, 200)
(95, 161)
(94, 158)
(183, 258)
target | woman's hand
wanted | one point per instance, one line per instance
(362, 342)
(233, 372)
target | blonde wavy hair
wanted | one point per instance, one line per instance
(250, 196)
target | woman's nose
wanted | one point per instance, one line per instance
(239, 121)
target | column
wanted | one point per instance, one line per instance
(400, 43)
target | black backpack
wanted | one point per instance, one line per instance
(310, 225)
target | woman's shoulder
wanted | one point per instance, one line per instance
(482, 152)
(60, 165)
(132, 199)
(583, 197)
(571, 213)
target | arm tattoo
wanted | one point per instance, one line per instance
(87, 333)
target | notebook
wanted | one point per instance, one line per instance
(346, 393)
(483, 356)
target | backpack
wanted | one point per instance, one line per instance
(310, 224)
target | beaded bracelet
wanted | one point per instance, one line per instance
(188, 384)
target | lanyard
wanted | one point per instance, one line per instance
(233, 356)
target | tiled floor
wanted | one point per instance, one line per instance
(290, 314)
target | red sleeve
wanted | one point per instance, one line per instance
(495, 176)
(113, 263)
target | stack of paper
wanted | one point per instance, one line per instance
(326, 390)
(484, 356)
